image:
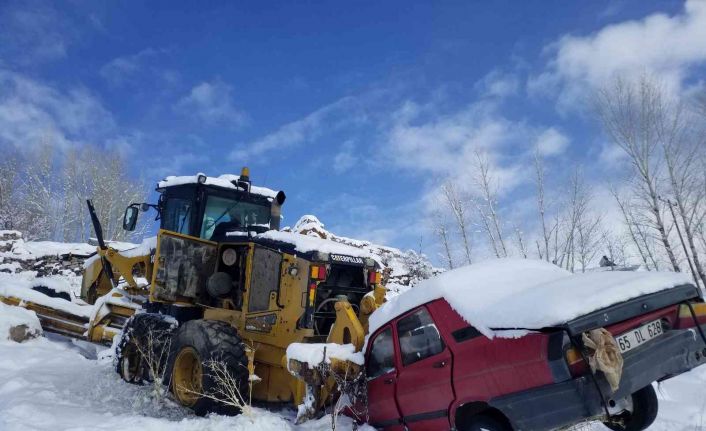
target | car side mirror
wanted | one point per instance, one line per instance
(130, 217)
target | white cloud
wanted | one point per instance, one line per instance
(661, 45)
(212, 103)
(446, 145)
(552, 142)
(345, 159)
(612, 156)
(121, 69)
(498, 84)
(33, 112)
(33, 32)
(297, 132)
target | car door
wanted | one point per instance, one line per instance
(424, 390)
(381, 375)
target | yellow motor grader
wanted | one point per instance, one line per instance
(227, 287)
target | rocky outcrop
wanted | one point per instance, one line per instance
(55, 258)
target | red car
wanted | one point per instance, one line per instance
(428, 369)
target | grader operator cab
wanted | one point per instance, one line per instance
(226, 285)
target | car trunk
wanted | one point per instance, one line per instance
(626, 315)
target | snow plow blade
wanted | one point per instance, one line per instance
(97, 324)
(53, 320)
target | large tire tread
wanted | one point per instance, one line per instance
(213, 340)
(136, 329)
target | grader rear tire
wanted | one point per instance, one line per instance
(196, 345)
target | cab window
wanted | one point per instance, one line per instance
(177, 215)
(232, 214)
(419, 337)
(382, 355)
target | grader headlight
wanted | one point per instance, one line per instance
(229, 257)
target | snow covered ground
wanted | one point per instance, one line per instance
(51, 385)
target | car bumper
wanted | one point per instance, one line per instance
(561, 404)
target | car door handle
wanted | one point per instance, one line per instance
(440, 364)
(388, 381)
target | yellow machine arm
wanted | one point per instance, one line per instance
(348, 328)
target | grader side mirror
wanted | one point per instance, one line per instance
(130, 217)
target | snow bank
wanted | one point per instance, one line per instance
(11, 316)
(21, 288)
(525, 293)
(313, 353)
(305, 243)
(50, 386)
(225, 181)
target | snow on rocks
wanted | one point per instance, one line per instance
(525, 293)
(18, 324)
(314, 354)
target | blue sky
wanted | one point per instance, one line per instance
(358, 110)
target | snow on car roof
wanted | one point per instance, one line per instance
(225, 181)
(525, 293)
(306, 244)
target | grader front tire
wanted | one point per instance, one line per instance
(197, 346)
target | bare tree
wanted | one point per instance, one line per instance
(228, 389)
(38, 213)
(681, 147)
(576, 206)
(487, 210)
(9, 170)
(589, 238)
(442, 232)
(546, 234)
(459, 209)
(630, 115)
(520, 242)
(103, 177)
(636, 235)
(153, 350)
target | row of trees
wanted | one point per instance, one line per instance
(660, 194)
(43, 193)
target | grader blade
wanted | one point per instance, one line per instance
(53, 320)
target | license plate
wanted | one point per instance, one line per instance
(639, 336)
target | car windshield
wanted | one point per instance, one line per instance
(235, 213)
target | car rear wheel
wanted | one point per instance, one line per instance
(640, 415)
(485, 423)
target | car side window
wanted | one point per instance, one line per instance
(419, 337)
(382, 355)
